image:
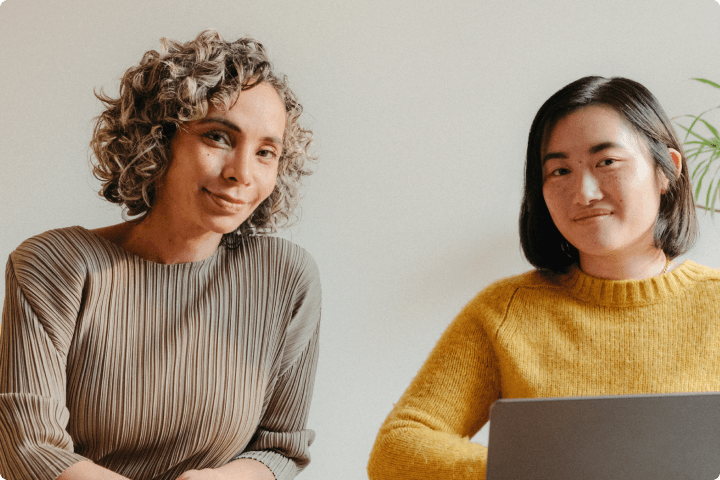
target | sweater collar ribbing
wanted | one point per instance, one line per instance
(628, 293)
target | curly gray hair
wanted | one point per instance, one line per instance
(131, 139)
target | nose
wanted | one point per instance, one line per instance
(239, 167)
(587, 190)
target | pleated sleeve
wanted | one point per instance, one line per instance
(282, 440)
(41, 305)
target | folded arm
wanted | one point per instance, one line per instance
(33, 349)
(426, 436)
(282, 441)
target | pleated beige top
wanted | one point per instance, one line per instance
(151, 370)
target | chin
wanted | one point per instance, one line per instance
(224, 228)
(600, 250)
(595, 248)
(231, 229)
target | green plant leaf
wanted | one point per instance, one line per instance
(713, 191)
(699, 167)
(689, 130)
(702, 150)
(706, 163)
(691, 153)
(698, 187)
(716, 193)
(700, 180)
(696, 118)
(704, 80)
(695, 134)
(711, 128)
(709, 192)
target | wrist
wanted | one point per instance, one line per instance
(249, 468)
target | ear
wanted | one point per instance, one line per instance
(677, 160)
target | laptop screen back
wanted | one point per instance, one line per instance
(639, 437)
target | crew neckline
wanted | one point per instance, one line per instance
(627, 293)
(119, 249)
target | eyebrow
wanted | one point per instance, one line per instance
(592, 150)
(603, 146)
(227, 123)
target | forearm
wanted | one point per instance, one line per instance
(282, 440)
(407, 449)
(89, 471)
(33, 415)
(426, 436)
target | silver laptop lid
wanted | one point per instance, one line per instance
(638, 437)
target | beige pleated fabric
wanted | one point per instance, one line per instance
(151, 370)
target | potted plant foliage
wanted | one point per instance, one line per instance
(702, 149)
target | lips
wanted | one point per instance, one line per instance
(592, 213)
(226, 202)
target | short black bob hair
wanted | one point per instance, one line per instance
(676, 224)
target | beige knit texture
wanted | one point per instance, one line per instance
(530, 336)
(151, 370)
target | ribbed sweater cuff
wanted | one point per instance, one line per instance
(281, 466)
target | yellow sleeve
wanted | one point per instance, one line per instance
(426, 436)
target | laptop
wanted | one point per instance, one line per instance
(638, 437)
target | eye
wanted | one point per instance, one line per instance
(558, 172)
(551, 170)
(218, 136)
(267, 153)
(606, 162)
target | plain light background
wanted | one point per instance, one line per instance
(420, 112)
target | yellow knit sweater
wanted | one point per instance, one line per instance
(532, 336)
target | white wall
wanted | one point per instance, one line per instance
(420, 110)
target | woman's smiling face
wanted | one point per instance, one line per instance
(600, 184)
(224, 165)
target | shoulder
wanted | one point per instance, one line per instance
(490, 306)
(271, 255)
(292, 273)
(696, 277)
(695, 271)
(278, 248)
(278, 265)
(50, 270)
(59, 252)
(502, 291)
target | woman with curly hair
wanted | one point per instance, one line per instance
(607, 311)
(180, 344)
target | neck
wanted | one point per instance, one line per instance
(625, 265)
(155, 239)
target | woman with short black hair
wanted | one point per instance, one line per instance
(676, 225)
(607, 208)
